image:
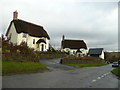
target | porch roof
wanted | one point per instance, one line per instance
(41, 40)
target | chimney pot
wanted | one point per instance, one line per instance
(63, 37)
(15, 15)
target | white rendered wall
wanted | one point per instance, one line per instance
(18, 38)
(13, 33)
(73, 51)
(102, 55)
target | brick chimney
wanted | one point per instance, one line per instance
(15, 15)
(63, 37)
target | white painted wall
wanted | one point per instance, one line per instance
(84, 52)
(47, 43)
(29, 40)
(13, 33)
(65, 50)
(18, 38)
(73, 51)
(102, 55)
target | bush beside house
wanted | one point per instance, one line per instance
(20, 52)
(112, 56)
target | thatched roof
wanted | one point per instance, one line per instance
(41, 40)
(29, 28)
(73, 44)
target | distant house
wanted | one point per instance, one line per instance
(73, 47)
(96, 52)
(22, 31)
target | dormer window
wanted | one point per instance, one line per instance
(24, 35)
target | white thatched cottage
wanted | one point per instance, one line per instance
(74, 47)
(22, 31)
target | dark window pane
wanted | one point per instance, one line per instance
(33, 41)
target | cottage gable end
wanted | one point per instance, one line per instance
(12, 35)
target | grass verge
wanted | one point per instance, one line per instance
(87, 64)
(116, 71)
(10, 67)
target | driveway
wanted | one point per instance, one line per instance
(62, 76)
(54, 64)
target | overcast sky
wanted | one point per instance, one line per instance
(94, 22)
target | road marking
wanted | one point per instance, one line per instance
(108, 73)
(112, 68)
(93, 80)
(99, 78)
(53, 63)
(102, 76)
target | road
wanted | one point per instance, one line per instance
(62, 76)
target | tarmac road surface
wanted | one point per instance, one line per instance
(62, 76)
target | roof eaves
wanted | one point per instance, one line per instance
(9, 28)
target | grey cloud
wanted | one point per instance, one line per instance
(96, 23)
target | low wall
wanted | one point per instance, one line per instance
(71, 61)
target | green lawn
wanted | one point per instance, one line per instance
(10, 67)
(87, 64)
(116, 71)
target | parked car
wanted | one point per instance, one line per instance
(115, 64)
(119, 62)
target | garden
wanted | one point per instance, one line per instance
(22, 59)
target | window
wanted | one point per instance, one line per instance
(33, 41)
(37, 45)
(74, 52)
(24, 35)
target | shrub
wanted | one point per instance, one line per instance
(20, 52)
(112, 56)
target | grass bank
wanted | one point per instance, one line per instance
(87, 64)
(116, 71)
(10, 67)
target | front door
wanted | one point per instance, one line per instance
(42, 47)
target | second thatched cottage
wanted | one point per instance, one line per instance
(22, 31)
(73, 47)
